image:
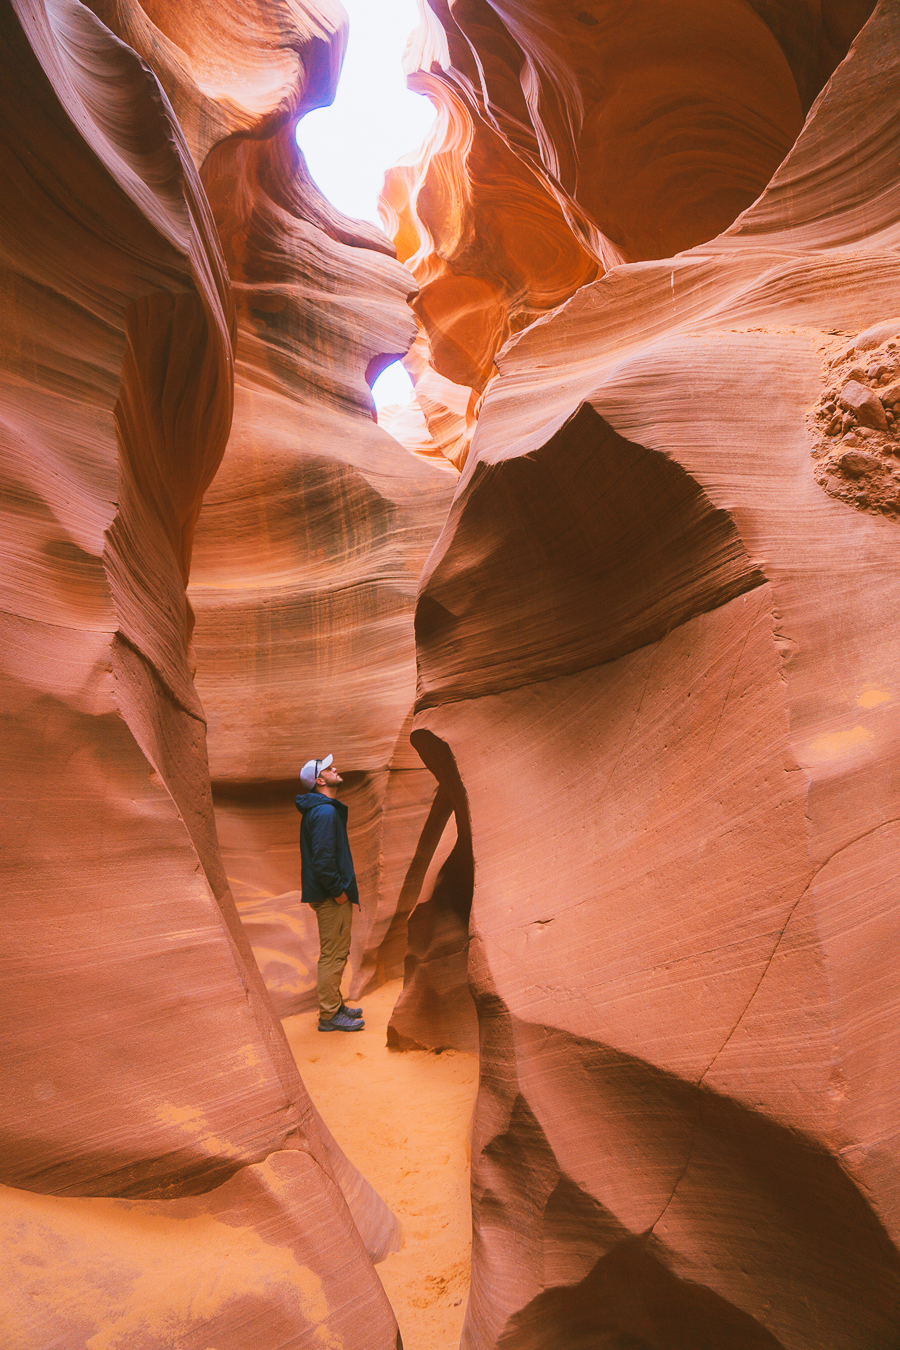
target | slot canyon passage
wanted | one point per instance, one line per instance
(602, 626)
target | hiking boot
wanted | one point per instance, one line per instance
(351, 1012)
(341, 1022)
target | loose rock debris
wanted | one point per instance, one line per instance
(856, 424)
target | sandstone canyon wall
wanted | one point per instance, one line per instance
(166, 1179)
(658, 328)
(658, 681)
(574, 138)
(308, 553)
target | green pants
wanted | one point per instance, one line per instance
(335, 924)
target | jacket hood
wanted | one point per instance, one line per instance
(307, 800)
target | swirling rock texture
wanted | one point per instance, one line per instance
(656, 666)
(573, 138)
(308, 553)
(658, 681)
(311, 541)
(166, 1179)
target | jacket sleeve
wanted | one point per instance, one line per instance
(323, 830)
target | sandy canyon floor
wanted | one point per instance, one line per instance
(403, 1119)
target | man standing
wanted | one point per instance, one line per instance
(328, 883)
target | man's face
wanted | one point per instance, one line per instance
(330, 776)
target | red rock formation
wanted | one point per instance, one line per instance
(657, 669)
(572, 138)
(161, 1157)
(658, 679)
(308, 554)
(435, 1010)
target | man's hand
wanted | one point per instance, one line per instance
(341, 899)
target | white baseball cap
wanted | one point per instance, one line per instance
(313, 767)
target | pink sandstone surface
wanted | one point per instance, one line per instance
(657, 677)
(658, 329)
(161, 1157)
(307, 557)
(571, 139)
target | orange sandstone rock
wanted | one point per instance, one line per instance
(867, 406)
(573, 138)
(657, 672)
(312, 540)
(308, 553)
(656, 667)
(153, 1118)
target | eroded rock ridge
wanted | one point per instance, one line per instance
(657, 678)
(639, 840)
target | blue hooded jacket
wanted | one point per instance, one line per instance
(326, 864)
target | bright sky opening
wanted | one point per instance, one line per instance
(374, 119)
(392, 386)
(373, 122)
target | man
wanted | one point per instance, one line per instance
(328, 883)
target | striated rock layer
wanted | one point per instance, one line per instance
(308, 553)
(656, 654)
(166, 1178)
(658, 681)
(572, 138)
